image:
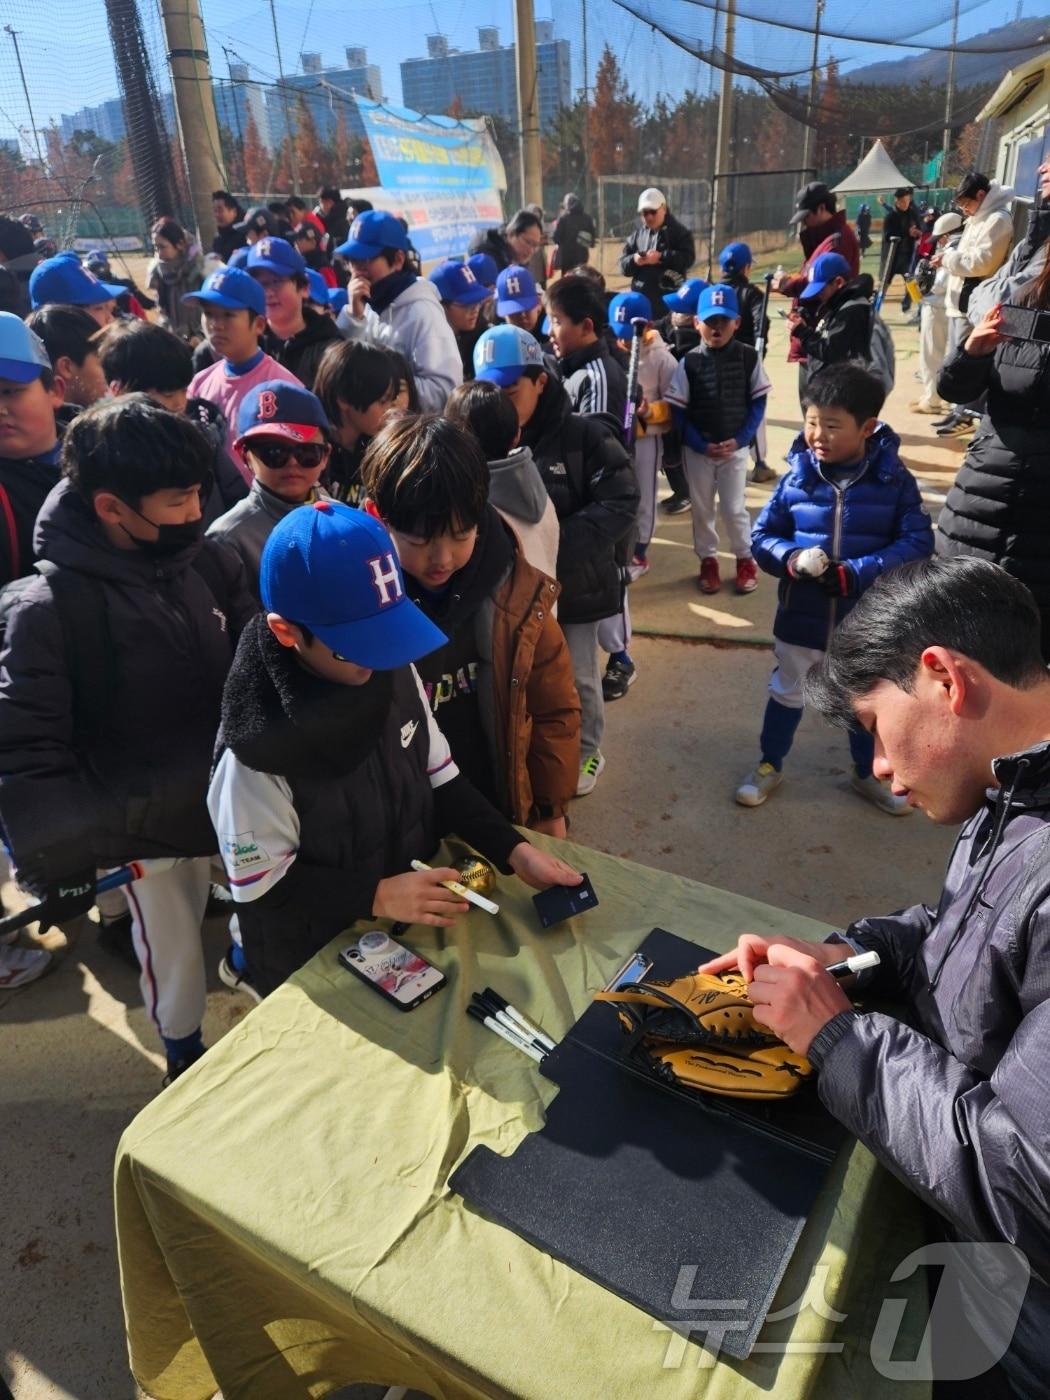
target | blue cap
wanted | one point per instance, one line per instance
(22, 353)
(734, 257)
(515, 291)
(824, 270)
(276, 255)
(503, 352)
(626, 307)
(61, 280)
(335, 569)
(484, 269)
(456, 283)
(97, 257)
(717, 300)
(232, 288)
(370, 233)
(337, 299)
(276, 408)
(318, 288)
(686, 297)
(238, 258)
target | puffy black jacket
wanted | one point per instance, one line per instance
(957, 1107)
(842, 328)
(674, 243)
(228, 239)
(590, 479)
(302, 352)
(998, 507)
(140, 791)
(572, 250)
(14, 284)
(900, 224)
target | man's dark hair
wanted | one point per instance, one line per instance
(848, 386)
(141, 356)
(328, 192)
(971, 185)
(589, 274)
(484, 410)
(224, 197)
(968, 605)
(359, 206)
(65, 330)
(356, 373)
(16, 241)
(427, 476)
(578, 300)
(904, 189)
(295, 201)
(133, 447)
(522, 220)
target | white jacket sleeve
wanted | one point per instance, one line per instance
(428, 343)
(984, 252)
(257, 826)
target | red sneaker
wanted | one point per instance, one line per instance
(710, 580)
(746, 576)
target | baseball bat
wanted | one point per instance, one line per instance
(887, 273)
(112, 880)
(638, 325)
(760, 336)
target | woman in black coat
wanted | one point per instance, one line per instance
(574, 235)
(998, 507)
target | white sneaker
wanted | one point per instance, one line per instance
(21, 965)
(879, 795)
(236, 981)
(591, 770)
(758, 784)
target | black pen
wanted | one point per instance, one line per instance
(860, 962)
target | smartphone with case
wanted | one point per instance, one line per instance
(1024, 323)
(396, 972)
(563, 901)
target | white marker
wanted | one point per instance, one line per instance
(860, 962)
(461, 890)
(504, 1034)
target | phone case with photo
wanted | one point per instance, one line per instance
(396, 972)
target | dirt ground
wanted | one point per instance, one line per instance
(79, 1059)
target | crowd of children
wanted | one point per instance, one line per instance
(354, 566)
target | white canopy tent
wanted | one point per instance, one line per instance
(875, 172)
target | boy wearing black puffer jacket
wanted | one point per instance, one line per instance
(113, 666)
(590, 478)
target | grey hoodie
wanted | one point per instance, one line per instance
(517, 491)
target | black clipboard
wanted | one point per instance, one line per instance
(676, 1201)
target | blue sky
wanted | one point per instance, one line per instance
(69, 64)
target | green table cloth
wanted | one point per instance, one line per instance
(285, 1228)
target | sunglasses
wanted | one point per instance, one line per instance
(275, 455)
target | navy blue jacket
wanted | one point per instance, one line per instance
(875, 523)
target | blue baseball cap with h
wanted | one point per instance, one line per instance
(61, 280)
(824, 270)
(335, 570)
(717, 300)
(23, 357)
(686, 297)
(276, 255)
(503, 353)
(734, 257)
(515, 291)
(232, 288)
(456, 283)
(627, 307)
(276, 408)
(370, 233)
(484, 269)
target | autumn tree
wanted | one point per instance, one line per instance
(369, 173)
(341, 152)
(310, 154)
(455, 107)
(256, 159)
(614, 112)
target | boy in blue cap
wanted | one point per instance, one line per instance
(283, 440)
(485, 270)
(462, 297)
(296, 335)
(233, 311)
(589, 477)
(392, 307)
(333, 775)
(519, 303)
(735, 261)
(718, 398)
(835, 318)
(61, 279)
(678, 329)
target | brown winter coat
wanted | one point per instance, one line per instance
(527, 696)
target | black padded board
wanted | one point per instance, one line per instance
(630, 1181)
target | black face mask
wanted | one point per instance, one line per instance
(171, 539)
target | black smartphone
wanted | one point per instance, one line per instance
(1025, 323)
(563, 901)
(398, 974)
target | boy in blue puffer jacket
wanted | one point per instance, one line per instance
(846, 511)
